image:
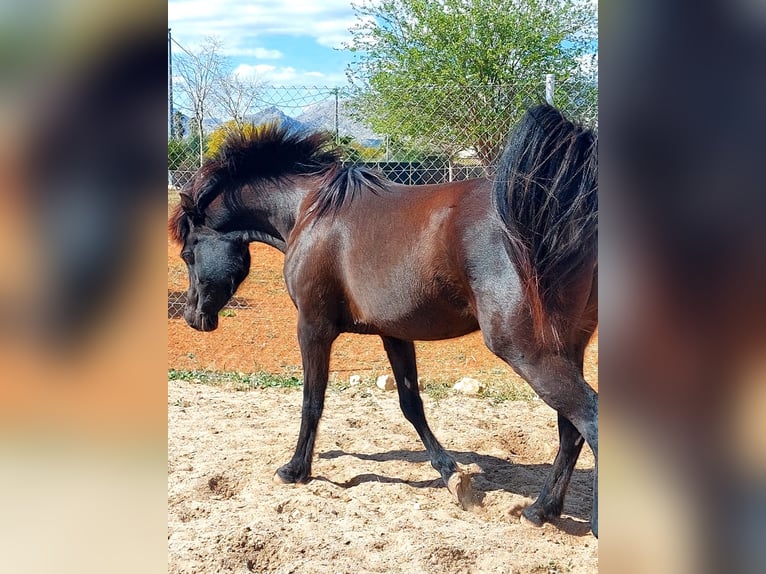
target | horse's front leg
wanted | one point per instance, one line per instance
(315, 343)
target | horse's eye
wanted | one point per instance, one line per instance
(188, 257)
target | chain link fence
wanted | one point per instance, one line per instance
(434, 134)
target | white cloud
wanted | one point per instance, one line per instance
(334, 33)
(253, 71)
(327, 21)
(287, 75)
(259, 53)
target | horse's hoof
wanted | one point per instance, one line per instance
(532, 516)
(459, 484)
(278, 479)
(529, 521)
(287, 475)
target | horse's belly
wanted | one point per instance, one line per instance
(433, 332)
(428, 321)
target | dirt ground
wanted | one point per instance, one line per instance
(374, 504)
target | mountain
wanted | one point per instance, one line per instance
(321, 116)
(274, 114)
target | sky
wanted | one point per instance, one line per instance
(282, 42)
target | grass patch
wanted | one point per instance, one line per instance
(509, 392)
(504, 385)
(237, 381)
(438, 388)
(496, 392)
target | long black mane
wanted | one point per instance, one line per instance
(342, 184)
(268, 154)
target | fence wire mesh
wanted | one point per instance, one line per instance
(433, 134)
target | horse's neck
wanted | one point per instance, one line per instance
(267, 238)
(271, 215)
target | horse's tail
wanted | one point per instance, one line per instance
(546, 194)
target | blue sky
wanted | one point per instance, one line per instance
(282, 42)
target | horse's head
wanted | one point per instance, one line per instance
(217, 264)
(264, 161)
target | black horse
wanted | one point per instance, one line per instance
(515, 258)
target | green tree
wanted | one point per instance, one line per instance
(351, 149)
(459, 73)
(182, 155)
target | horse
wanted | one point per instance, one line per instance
(514, 256)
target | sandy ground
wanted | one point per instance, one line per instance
(374, 504)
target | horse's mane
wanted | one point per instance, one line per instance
(342, 184)
(270, 153)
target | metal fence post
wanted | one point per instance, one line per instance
(337, 128)
(550, 84)
(171, 133)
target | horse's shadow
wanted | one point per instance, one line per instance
(496, 474)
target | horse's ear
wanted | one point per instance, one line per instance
(190, 208)
(187, 203)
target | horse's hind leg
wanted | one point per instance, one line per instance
(557, 379)
(550, 503)
(560, 383)
(401, 355)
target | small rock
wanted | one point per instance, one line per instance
(354, 380)
(386, 382)
(421, 386)
(469, 386)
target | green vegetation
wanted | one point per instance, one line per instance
(459, 74)
(437, 390)
(498, 391)
(183, 154)
(237, 381)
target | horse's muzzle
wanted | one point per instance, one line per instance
(201, 321)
